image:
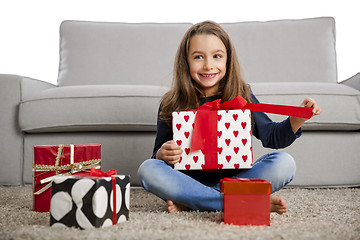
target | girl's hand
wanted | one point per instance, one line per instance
(296, 122)
(169, 152)
(309, 102)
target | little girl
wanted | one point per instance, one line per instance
(206, 69)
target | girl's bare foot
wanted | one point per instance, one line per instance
(175, 207)
(277, 204)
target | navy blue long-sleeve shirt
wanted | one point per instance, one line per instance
(272, 134)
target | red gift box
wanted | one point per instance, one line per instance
(60, 160)
(245, 201)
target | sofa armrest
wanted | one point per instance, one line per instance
(353, 81)
(11, 145)
(12, 90)
(30, 86)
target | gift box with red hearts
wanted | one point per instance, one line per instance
(233, 146)
(245, 201)
(217, 135)
(51, 160)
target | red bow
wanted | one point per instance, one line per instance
(99, 173)
(205, 122)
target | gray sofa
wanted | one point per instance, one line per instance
(112, 75)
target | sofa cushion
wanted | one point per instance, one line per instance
(340, 104)
(134, 108)
(143, 53)
(92, 108)
(286, 50)
(118, 53)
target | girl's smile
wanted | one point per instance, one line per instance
(207, 61)
(209, 75)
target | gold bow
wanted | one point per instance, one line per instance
(71, 168)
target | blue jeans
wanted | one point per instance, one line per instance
(199, 190)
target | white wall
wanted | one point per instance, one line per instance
(29, 38)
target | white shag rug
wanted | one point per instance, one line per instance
(312, 214)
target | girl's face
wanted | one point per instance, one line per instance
(207, 61)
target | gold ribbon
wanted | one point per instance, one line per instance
(71, 168)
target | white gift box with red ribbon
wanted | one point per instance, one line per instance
(218, 135)
(233, 148)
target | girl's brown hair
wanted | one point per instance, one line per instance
(185, 93)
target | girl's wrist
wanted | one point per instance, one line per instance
(296, 123)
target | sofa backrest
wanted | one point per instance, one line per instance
(286, 50)
(144, 53)
(118, 53)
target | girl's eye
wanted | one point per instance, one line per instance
(217, 56)
(198, 57)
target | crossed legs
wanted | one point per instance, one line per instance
(199, 190)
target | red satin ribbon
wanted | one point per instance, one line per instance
(98, 173)
(110, 173)
(113, 179)
(205, 125)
